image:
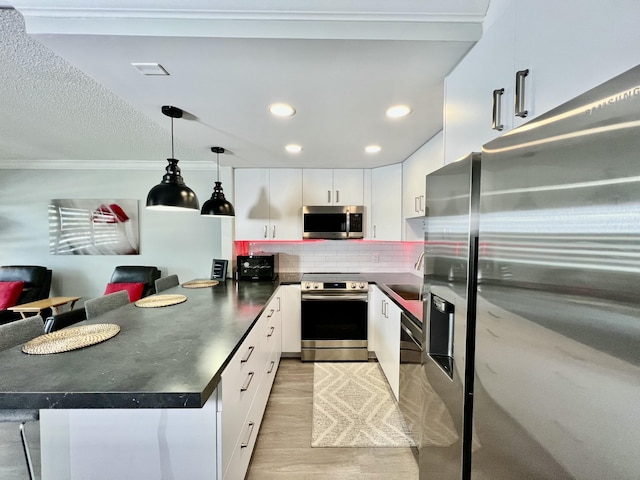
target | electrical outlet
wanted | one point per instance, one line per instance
(375, 258)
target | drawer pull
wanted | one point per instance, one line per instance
(247, 355)
(520, 82)
(496, 123)
(245, 442)
(271, 331)
(271, 313)
(247, 382)
(273, 364)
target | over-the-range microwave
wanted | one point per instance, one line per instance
(333, 222)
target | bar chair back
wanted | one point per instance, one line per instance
(167, 282)
(98, 306)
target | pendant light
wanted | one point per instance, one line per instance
(217, 205)
(172, 193)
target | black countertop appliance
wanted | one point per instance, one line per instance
(257, 267)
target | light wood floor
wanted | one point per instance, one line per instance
(283, 449)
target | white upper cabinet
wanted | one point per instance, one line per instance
(582, 44)
(333, 187)
(426, 159)
(557, 56)
(386, 203)
(268, 203)
(488, 67)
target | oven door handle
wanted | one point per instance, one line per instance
(340, 297)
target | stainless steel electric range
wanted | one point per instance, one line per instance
(334, 317)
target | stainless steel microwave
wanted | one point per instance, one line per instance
(333, 222)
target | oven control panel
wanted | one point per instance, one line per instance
(348, 286)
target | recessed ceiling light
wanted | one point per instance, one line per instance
(293, 148)
(282, 110)
(150, 68)
(372, 148)
(398, 111)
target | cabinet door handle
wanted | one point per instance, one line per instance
(328, 196)
(278, 309)
(519, 107)
(374, 231)
(273, 364)
(247, 355)
(265, 231)
(245, 442)
(271, 330)
(247, 382)
(273, 233)
(416, 207)
(337, 196)
(496, 121)
(383, 304)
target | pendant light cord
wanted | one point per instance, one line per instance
(218, 162)
(172, 154)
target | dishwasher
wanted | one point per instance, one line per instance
(410, 396)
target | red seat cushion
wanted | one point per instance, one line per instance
(10, 293)
(134, 289)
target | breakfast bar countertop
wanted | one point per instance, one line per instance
(166, 357)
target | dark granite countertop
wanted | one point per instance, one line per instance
(164, 357)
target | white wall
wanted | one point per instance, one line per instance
(175, 242)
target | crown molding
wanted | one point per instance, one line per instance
(156, 165)
(365, 20)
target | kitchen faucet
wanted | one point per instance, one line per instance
(418, 264)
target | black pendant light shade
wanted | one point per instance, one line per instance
(217, 205)
(172, 193)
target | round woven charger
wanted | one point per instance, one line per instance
(70, 339)
(200, 283)
(160, 301)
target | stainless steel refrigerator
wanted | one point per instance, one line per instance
(555, 390)
(450, 263)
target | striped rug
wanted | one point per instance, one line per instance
(353, 406)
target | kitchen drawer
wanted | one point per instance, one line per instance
(236, 466)
(272, 335)
(268, 378)
(241, 454)
(240, 382)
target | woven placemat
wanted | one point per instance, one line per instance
(70, 339)
(200, 283)
(160, 301)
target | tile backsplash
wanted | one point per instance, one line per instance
(339, 255)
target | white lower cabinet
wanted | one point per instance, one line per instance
(291, 327)
(386, 336)
(245, 385)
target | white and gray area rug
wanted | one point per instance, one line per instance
(353, 406)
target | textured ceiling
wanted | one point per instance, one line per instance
(78, 99)
(53, 111)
